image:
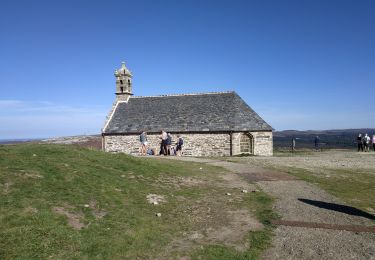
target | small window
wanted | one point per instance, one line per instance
(121, 82)
(122, 89)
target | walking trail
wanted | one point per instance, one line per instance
(313, 224)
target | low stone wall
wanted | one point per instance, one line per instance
(208, 144)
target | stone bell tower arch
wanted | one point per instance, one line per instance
(123, 83)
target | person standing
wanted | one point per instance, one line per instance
(179, 144)
(373, 142)
(366, 143)
(293, 144)
(144, 143)
(163, 147)
(317, 143)
(169, 143)
(359, 142)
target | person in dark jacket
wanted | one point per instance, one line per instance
(179, 144)
(359, 142)
(317, 143)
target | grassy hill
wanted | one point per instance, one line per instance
(68, 202)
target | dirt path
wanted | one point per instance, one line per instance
(215, 221)
(300, 201)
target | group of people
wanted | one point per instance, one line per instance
(316, 143)
(166, 147)
(364, 142)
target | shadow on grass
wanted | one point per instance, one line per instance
(340, 208)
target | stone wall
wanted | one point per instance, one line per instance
(207, 144)
(194, 144)
(262, 143)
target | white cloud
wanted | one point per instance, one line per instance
(20, 119)
(10, 102)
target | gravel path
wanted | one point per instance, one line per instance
(312, 243)
(318, 162)
(307, 243)
(290, 207)
(295, 201)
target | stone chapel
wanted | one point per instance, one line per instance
(211, 124)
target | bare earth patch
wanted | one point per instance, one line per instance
(30, 210)
(214, 218)
(6, 187)
(96, 211)
(228, 228)
(74, 219)
(155, 199)
(178, 182)
(29, 174)
(240, 223)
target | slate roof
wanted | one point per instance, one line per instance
(224, 111)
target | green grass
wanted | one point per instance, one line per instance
(36, 178)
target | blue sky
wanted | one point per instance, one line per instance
(300, 64)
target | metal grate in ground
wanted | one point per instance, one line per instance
(353, 228)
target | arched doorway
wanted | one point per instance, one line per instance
(246, 144)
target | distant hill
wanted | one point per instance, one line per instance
(340, 138)
(16, 141)
(88, 141)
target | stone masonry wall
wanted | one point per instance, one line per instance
(194, 144)
(262, 143)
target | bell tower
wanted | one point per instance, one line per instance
(123, 83)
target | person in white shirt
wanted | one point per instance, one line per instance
(163, 146)
(366, 143)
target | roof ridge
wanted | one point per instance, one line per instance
(186, 94)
